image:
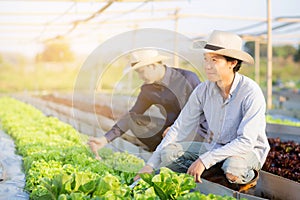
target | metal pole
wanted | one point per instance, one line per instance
(130, 75)
(176, 60)
(269, 63)
(257, 60)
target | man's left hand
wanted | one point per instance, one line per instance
(196, 170)
(166, 131)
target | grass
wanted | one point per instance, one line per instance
(37, 77)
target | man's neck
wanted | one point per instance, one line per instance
(225, 86)
(161, 72)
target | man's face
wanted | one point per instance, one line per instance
(216, 67)
(148, 73)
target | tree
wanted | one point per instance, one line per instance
(56, 51)
(297, 55)
(250, 48)
(284, 51)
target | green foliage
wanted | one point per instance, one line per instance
(56, 159)
(58, 51)
(284, 51)
(273, 120)
(284, 67)
(58, 165)
(171, 185)
(199, 196)
(297, 55)
(168, 184)
(18, 74)
(38, 77)
(250, 47)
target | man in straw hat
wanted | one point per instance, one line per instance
(234, 107)
(166, 87)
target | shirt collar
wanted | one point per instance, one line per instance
(235, 83)
(213, 89)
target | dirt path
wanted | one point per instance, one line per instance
(13, 178)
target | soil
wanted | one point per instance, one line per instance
(86, 107)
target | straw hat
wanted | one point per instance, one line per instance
(226, 44)
(145, 57)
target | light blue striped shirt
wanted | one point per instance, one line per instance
(236, 125)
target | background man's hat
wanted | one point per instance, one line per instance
(145, 57)
(226, 44)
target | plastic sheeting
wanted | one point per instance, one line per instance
(13, 178)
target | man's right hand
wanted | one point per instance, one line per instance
(146, 169)
(96, 144)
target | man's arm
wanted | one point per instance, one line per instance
(193, 80)
(252, 124)
(185, 123)
(140, 106)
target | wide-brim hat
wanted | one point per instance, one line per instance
(143, 58)
(226, 44)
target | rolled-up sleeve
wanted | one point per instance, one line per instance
(113, 133)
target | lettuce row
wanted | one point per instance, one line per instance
(58, 164)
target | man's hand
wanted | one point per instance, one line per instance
(196, 170)
(166, 131)
(146, 169)
(96, 144)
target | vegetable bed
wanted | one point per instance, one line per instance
(58, 164)
(283, 159)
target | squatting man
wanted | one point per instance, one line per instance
(167, 88)
(234, 107)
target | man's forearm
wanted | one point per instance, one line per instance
(113, 133)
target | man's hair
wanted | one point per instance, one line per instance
(237, 66)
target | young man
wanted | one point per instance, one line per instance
(234, 107)
(165, 87)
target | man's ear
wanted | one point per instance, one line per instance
(234, 63)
